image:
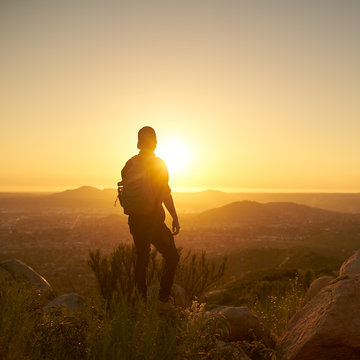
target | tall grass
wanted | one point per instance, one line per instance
(277, 302)
(115, 273)
(196, 273)
(18, 315)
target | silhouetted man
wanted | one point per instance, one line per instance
(145, 187)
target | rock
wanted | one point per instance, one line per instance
(212, 293)
(244, 325)
(181, 298)
(328, 326)
(22, 272)
(5, 275)
(351, 265)
(315, 287)
(71, 302)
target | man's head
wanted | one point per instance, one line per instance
(147, 139)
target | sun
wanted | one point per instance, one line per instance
(175, 153)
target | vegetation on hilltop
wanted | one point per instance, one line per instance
(116, 326)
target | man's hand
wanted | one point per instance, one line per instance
(175, 226)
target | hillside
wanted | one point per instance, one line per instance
(251, 212)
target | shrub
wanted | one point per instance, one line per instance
(18, 313)
(277, 309)
(60, 335)
(115, 273)
(196, 273)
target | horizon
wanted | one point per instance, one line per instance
(52, 190)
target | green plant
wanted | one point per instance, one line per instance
(196, 273)
(115, 273)
(60, 335)
(277, 308)
(131, 330)
(18, 314)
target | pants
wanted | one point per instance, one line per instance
(147, 230)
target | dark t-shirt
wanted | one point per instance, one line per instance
(159, 178)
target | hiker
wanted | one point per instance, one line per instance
(143, 189)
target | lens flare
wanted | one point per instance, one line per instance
(175, 153)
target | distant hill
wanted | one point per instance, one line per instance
(190, 202)
(206, 200)
(86, 197)
(251, 212)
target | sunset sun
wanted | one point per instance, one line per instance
(175, 153)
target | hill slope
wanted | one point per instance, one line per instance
(251, 212)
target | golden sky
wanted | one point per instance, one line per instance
(261, 94)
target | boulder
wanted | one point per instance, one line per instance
(351, 265)
(328, 326)
(70, 302)
(5, 275)
(244, 325)
(181, 298)
(315, 287)
(22, 272)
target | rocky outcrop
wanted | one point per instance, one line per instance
(244, 325)
(70, 302)
(328, 326)
(351, 266)
(315, 287)
(22, 272)
(5, 275)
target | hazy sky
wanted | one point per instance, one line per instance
(263, 94)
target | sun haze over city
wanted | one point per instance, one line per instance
(242, 94)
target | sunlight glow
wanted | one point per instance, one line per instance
(175, 153)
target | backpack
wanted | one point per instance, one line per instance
(136, 194)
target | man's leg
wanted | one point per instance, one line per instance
(164, 242)
(142, 245)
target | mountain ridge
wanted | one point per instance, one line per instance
(192, 202)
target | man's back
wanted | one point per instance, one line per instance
(145, 184)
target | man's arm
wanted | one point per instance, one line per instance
(169, 204)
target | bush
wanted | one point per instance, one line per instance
(196, 273)
(18, 313)
(115, 273)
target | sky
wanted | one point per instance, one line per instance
(260, 95)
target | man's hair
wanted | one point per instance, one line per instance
(147, 138)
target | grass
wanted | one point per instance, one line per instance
(115, 273)
(115, 324)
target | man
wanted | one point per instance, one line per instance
(147, 224)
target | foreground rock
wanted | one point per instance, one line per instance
(315, 287)
(70, 302)
(328, 326)
(244, 325)
(351, 266)
(22, 272)
(5, 275)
